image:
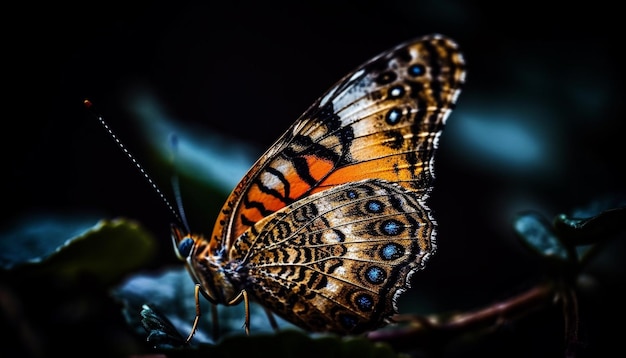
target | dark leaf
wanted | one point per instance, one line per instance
(591, 229)
(161, 332)
(171, 292)
(69, 247)
(288, 343)
(537, 234)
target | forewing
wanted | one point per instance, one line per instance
(380, 121)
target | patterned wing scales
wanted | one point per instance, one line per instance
(337, 259)
(380, 121)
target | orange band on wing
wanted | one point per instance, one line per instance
(272, 195)
(393, 169)
(319, 167)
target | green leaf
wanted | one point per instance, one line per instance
(69, 247)
(536, 233)
(32, 239)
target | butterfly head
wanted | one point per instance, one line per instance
(204, 264)
(184, 244)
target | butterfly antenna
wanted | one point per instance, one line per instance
(176, 185)
(88, 104)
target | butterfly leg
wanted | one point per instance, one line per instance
(198, 313)
(216, 323)
(271, 318)
(243, 294)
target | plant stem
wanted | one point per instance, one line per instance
(435, 330)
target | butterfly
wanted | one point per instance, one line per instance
(328, 226)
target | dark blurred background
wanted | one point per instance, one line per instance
(538, 126)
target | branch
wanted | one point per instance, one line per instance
(436, 330)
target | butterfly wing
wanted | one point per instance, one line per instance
(380, 121)
(338, 259)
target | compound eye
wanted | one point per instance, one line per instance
(185, 246)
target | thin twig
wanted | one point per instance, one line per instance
(424, 331)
